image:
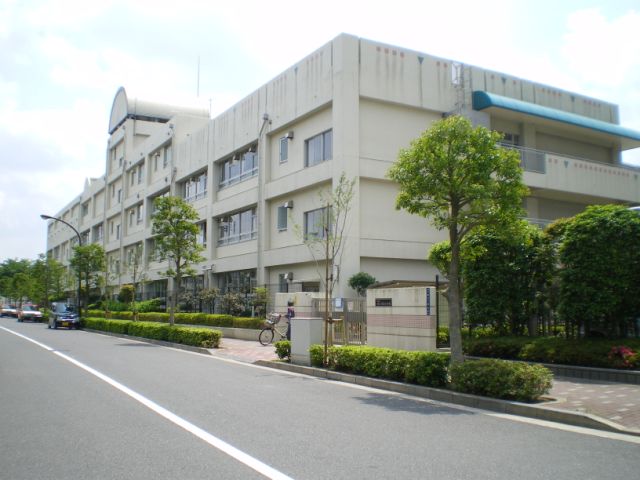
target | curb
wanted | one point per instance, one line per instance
(576, 419)
(161, 343)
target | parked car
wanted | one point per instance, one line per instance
(9, 311)
(63, 315)
(29, 312)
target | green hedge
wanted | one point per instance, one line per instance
(501, 379)
(211, 320)
(198, 337)
(422, 368)
(493, 378)
(583, 352)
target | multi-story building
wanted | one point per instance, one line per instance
(254, 172)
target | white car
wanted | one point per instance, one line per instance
(9, 311)
(29, 312)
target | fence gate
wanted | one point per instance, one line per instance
(350, 315)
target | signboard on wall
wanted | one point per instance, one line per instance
(384, 302)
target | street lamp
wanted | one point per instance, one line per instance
(55, 219)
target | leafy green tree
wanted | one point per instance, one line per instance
(88, 262)
(176, 241)
(260, 300)
(460, 178)
(600, 270)
(361, 281)
(232, 303)
(507, 273)
(8, 270)
(48, 278)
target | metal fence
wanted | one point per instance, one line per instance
(349, 316)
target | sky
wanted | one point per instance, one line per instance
(62, 61)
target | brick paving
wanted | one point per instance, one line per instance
(616, 402)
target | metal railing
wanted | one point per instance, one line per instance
(350, 321)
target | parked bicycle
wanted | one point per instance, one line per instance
(271, 329)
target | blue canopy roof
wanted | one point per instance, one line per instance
(484, 100)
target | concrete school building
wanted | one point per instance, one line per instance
(255, 171)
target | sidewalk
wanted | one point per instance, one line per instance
(616, 403)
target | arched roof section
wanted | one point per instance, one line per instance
(124, 107)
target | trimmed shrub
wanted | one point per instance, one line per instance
(501, 379)
(422, 368)
(248, 322)
(199, 337)
(283, 349)
(316, 353)
(581, 352)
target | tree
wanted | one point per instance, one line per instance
(232, 303)
(134, 265)
(361, 281)
(8, 270)
(600, 270)
(260, 300)
(507, 274)
(325, 240)
(88, 263)
(176, 241)
(459, 177)
(48, 278)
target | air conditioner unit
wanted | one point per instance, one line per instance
(288, 276)
(288, 204)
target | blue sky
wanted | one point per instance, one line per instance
(62, 61)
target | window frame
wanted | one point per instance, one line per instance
(322, 142)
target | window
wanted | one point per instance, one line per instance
(118, 232)
(282, 218)
(238, 227)
(283, 284)
(132, 215)
(97, 233)
(119, 195)
(140, 173)
(195, 188)
(319, 148)
(284, 149)
(133, 175)
(139, 214)
(315, 221)
(202, 234)
(85, 209)
(166, 157)
(238, 168)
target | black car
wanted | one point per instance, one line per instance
(63, 315)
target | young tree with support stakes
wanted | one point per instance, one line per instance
(176, 237)
(325, 241)
(459, 177)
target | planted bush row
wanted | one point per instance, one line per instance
(489, 377)
(603, 353)
(209, 319)
(198, 337)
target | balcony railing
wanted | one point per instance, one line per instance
(531, 160)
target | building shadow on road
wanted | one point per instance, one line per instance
(396, 403)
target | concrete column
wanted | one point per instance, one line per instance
(346, 147)
(305, 331)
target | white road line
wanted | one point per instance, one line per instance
(212, 440)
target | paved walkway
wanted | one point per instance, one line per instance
(614, 402)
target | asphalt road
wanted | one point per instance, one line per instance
(80, 405)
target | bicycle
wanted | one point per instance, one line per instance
(268, 332)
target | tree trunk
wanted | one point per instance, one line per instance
(455, 313)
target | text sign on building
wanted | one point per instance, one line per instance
(383, 302)
(428, 301)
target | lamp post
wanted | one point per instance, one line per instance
(55, 219)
